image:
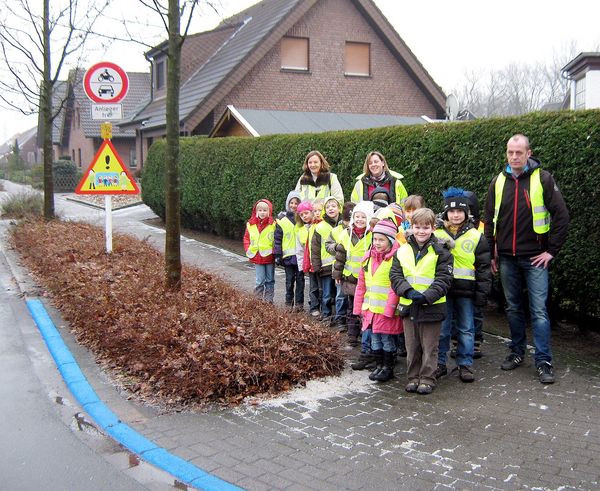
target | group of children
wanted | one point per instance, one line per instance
(398, 279)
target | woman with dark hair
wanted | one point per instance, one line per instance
(376, 174)
(317, 181)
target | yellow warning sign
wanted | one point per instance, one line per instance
(107, 174)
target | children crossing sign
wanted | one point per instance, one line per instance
(107, 174)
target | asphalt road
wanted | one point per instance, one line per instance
(39, 449)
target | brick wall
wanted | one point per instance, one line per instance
(328, 25)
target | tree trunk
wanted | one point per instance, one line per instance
(172, 191)
(46, 110)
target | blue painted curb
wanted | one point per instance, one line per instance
(108, 421)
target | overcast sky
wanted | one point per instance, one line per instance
(448, 38)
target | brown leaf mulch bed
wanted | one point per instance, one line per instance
(208, 343)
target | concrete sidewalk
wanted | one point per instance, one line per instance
(505, 431)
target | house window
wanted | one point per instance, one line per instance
(79, 156)
(358, 59)
(160, 75)
(294, 53)
(132, 159)
(580, 93)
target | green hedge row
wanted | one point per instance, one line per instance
(221, 178)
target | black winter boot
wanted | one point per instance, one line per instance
(379, 367)
(365, 360)
(387, 372)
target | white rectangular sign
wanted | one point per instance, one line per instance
(106, 112)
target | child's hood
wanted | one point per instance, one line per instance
(255, 220)
(365, 207)
(291, 195)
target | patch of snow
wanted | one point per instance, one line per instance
(309, 396)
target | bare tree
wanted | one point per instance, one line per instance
(517, 88)
(172, 16)
(35, 47)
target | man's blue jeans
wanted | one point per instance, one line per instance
(462, 309)
(517, 272)
(265, 282)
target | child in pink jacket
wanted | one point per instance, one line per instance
(376, 302)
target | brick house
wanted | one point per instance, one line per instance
(292, 58)
(76, 135)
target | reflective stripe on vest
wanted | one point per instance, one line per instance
(463, 252)
(419, 275)
(288, 241)
(261, 243)
(377, 287)
(324, 230)
(355, 253)
(539, 212)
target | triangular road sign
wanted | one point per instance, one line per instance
(107, 174)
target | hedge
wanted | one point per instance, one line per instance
(221, 178)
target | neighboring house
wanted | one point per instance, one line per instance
(76, 135)
(292, 59)
(584, 73)
(28, 148)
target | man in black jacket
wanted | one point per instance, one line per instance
(526, 223)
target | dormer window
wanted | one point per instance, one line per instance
(160, 73)
(294, 53)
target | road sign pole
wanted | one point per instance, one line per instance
(108, 222)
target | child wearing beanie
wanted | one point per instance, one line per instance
(376, 302)
(471, 284)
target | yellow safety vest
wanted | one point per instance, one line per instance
(302, 234)
(336, 232)
(324, 230)
(399, 189)
(355, 253)
(541, 216)
(463, 252)
(420, 275)
(377, 287)
(261, 243)
(288, 241)
(311, 193)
